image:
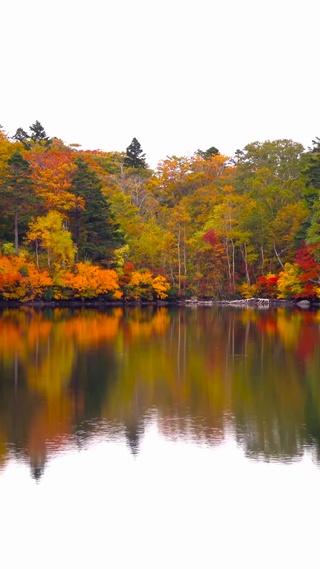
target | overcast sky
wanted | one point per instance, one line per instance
(176, 74)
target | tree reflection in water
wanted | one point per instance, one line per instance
(69, 376)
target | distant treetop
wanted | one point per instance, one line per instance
(38, 135)
(135, 157)
(206, 154)
(38, 132)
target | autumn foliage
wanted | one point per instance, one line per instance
(267, 285)
(206, 225)
(89, 281)
(21, 280)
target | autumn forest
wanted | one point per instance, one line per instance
(93, 225)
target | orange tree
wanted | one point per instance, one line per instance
(21, 280)
(88, 281)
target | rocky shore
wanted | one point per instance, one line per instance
(250, 302)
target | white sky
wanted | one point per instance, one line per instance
(176, 74)
(176, 504)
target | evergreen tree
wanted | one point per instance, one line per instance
(310, 229)
(206, 154)
(18, 197)
(311, 171)
(22, 136)
(94, 230)
(135, 158)
(38, 134)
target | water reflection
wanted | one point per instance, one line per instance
(70, 376)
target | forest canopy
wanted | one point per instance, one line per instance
(83, 224)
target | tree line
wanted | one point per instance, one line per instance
(92, 224)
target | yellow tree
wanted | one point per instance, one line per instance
(143, 285)
(53, 243)
(285, 227)
(224, 222)
(147, 249)
(289, 283)
(7, 149)
(170, 183)
(178, 224)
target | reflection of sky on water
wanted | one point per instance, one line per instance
(177, 453)
(174, 429)
(175, 503)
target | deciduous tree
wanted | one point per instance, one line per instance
(88, 281)
(53, 243)
(52, 175)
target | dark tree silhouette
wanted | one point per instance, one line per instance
(135, 158)
(94, 229)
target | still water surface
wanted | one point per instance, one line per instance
(159, 437)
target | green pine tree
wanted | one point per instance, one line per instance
(207, 154)
(94, 229)
(38, 134)
(309, 231)
(311, 170)
(135, 158)
(18, 196)
(23, 137)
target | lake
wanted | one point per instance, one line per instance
(159, 437)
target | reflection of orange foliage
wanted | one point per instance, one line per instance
(49, 427)
(295, 329)
(38, 330)
(92, 331)
(88, 328)
(268, 325)
(249, 316)
(10, 337)
(117, 312)
(160, 321)
(156, 325)
(289, 328)
(192, 375)
(138, 329)
(20, 334)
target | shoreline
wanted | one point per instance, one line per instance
(260, 303)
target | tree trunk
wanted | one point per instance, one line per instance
(262, 260)
(245, 258)
(37, 253)
(16, 234)
(233, 266)
(179, 259)
(277, 255)
(228, 260)
(184, 257)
